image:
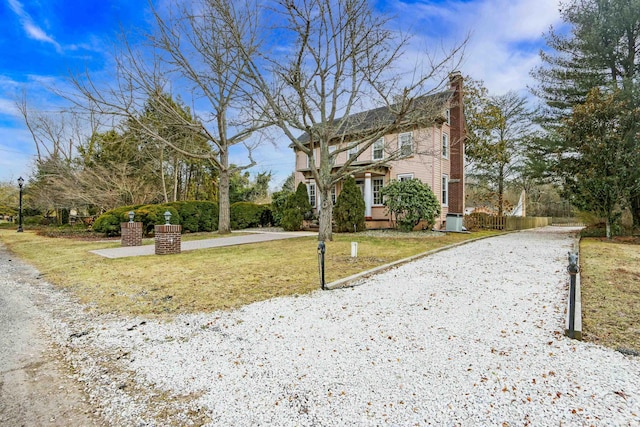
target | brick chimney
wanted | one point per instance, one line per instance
(458, 136)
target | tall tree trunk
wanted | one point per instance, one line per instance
(635, 209)
(608, 228)
(224, 215)
(175, 179)
(326, 210)
(164, 183)
(500, 194)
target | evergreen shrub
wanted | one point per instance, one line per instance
(349, 209)
(411, 201)
(109, 222)
(152, 215)
(248, 214)
(278, 202)
(197, 215)
(296, 209)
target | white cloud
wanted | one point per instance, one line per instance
(16, 154)
(31, 28)
(506, 35)
(8, 107)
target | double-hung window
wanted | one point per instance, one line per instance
(333, 194)
(445, 146)
(405, 143)
(353, 153)
(313, 152)
(377, 149)
(405, 177)
(332, 160)
(377, 184)
(445, 190)
(311, 188)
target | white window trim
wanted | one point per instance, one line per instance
(351, 152)
(312, 200)
(448, 116)
(313, 154)
(333, 195)
(403, 176)
(445, 190)
(332, 148)
(373, 149)
(373, 190)
(400, 144)
(445, 151)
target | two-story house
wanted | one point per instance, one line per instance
(432, 153)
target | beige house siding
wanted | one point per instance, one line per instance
(427, 163)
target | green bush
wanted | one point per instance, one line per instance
(278, 201)
(411, 201)
(152, 215)
(301, 201)
(248, 214)
(109, 222)
(197, 215)
(295, 209)
(33, 220)
(292, 216)
(348, 213)
(193, 216)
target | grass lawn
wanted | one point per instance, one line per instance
(610, 285)
(208, 279)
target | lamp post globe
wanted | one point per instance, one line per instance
(20, 184)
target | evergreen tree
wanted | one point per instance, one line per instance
(601, 51)
(602, 133)
(348, 213)
(296, 209)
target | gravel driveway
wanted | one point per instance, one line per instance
(470, 336)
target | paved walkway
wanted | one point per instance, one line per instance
(241, 239)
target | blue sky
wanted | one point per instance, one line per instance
(41, 41)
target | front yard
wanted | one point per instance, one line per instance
(610, 284)
(210, 279)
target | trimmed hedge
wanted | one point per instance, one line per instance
(197, 215)
(152, 215)
(194, 216)
(247, 215)
(109, 222)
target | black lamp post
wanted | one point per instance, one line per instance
(20, 184)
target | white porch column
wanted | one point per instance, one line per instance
(368, 194)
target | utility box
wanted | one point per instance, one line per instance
(454, 222)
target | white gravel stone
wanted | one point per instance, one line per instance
(470, 336)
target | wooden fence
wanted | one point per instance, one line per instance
(506, 223)
(567, 222)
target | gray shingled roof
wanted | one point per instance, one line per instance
(379, 117)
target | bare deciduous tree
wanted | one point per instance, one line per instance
(190, 51)
(341, 58)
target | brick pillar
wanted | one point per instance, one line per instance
(131, 233)
(168, 239)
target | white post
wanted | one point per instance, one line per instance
(368, 194)
(354, 249)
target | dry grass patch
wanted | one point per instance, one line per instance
(610, 285)
(208, 279)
